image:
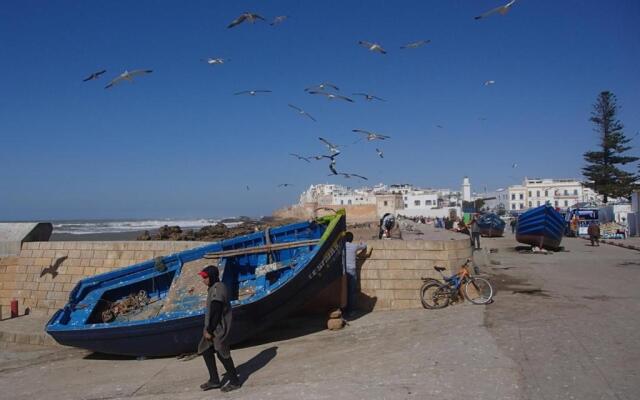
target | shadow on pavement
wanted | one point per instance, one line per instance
(256, 363)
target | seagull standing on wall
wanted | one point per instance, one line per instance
(372, 46)
(128, 76)
(249, 17)
(502, 10)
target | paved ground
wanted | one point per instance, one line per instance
(564, 326)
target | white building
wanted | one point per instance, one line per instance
(466, 189)
(560, 193)
(496, 200)
(420, 200)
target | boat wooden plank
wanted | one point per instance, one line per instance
(261, 249)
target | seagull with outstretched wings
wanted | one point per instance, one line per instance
(299, 157)
(302, 112)
(322, 86)
(285, 184)
(128, 76)
(372, 46)
(278, 20)
(502, 10)
(368, 96)
(53, 268)
(371, 135)
(332, 147)
(349, 175)
(248, 17)
(253, 92)
(330, 96)
(380, 154)
(489, 82)
(416, 44)
(215, 61)
(95, 75)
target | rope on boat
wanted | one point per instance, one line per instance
(125, 306)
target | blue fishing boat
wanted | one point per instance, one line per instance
(541, 226)
(156, 308)
(491, 225)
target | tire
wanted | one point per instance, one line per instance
(478, 290)
(434, 295)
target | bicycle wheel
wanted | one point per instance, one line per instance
(478, 290)
(434, 295)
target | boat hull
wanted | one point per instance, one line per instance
(491, 225)
(542, 226)
(173, 336)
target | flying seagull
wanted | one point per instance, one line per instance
(348, 175)
(285, 184)
(415, 45)
(299, 157)
(215, 61)
(278, 20)
(332, 167)
(249, 17)
(487, 83)
(322, 86)
(379, 153)
(440, 126)
(502, 10)
(372, 46)
(302, 112)
(95, 75)
(248, 187)
(332, 147)
(371, 135)
(514, 165)
(128, 76)
(331, 96)
(368, 96)
(253, 92)
(53, 268)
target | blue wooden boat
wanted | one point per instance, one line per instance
(541, 226)
(491, 225)
(270, 274)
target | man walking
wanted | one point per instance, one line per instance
(217, 323)
(513, 224)
(594, 233)
(475, 233)
(350, 268)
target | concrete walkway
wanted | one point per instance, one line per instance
(446, 354)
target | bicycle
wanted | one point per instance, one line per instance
(435, 294)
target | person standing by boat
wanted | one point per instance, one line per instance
(350, 268)
(217, 323)
(475, 233)
(594, 233)
(513, 224)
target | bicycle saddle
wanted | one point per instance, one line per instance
(439, 268)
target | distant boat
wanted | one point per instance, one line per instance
(491, 225)
(269, 274)
(541, 226)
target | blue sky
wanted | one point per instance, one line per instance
(178, 143)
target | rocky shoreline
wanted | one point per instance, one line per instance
(210, 233)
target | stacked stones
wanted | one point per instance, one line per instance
(335, 320)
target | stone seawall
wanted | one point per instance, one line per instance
(389, 277)
(30, 279)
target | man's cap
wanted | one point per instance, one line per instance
(203, 274)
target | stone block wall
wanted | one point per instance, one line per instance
(390, 276)
(29, 277)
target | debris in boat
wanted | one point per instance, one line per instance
(128, 304)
